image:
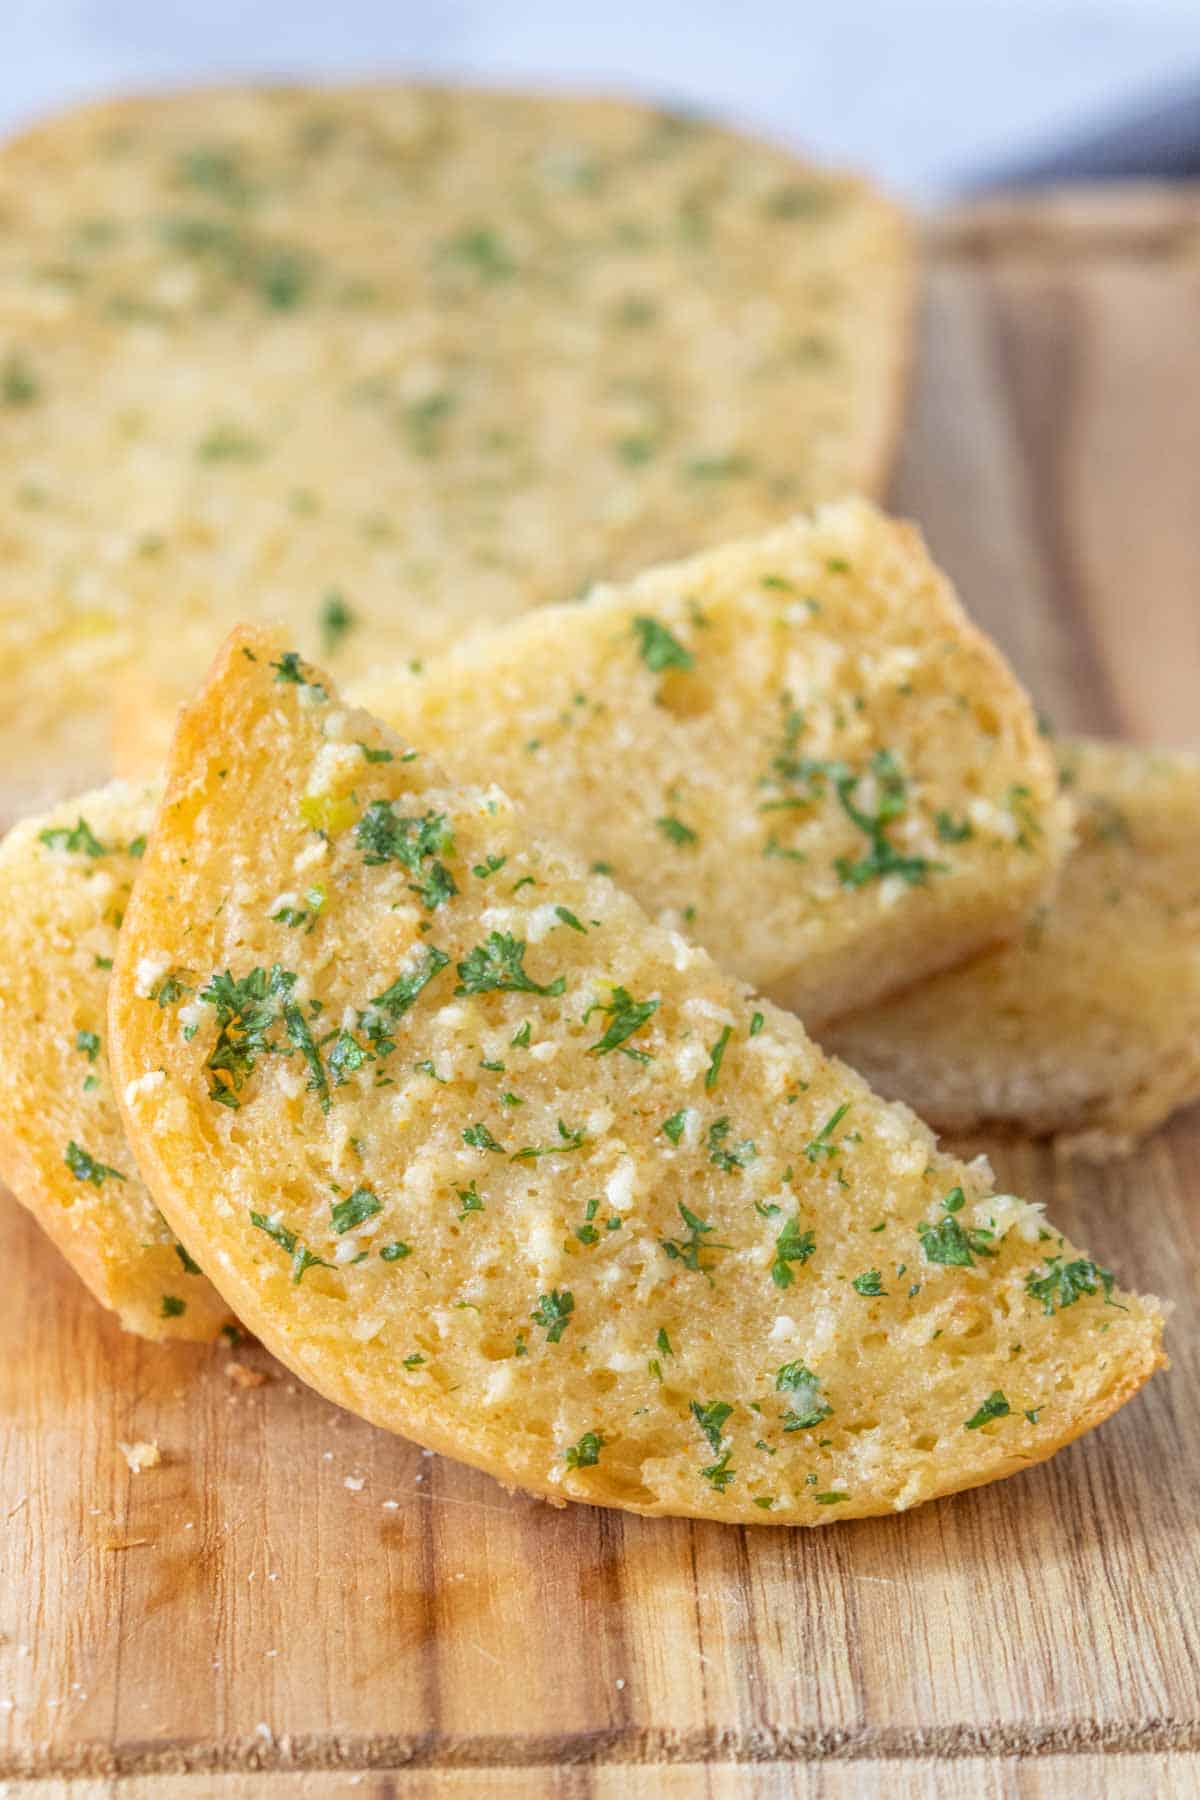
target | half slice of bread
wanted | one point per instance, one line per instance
(795, 749)
(489, 1158)
(64, 885)
(380, 362)
(1088, 1027)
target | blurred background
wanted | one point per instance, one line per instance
(936, 96)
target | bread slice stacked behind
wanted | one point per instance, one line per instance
(1088, 1026)
(381, 362)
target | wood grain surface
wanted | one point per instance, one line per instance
(293, 1604)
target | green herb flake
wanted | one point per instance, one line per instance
(173, 1307)
(994, 1407)
(553, 1312)
(88, 1044)
(354, 1210)
(471, 1200)
(79, 838)
(84, 1166)
(791, 1246)
(586, 1453)
(625, 1016)
(869, 1284)
(336, 619)
(498, 966)
(690, 1249)
(480, 1138)
(676, 832)
(727, 1156)
(675, 1126)
(1063, 1283)
(711, 1420)
(302, 1259)
(659, 648)
(821, 1145)
(809, 1406)
(396, 1253)
(716, 1057)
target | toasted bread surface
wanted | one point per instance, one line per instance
(795, 749)
(1087, 1027)
(64, 884)
(489, 1158)
(381, 362)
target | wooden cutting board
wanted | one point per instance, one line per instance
(296, 1605)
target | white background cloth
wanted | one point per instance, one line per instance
(922, 92)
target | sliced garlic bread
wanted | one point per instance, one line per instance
(1088, 1027)
(490, 1159)
(64, 885)
(381, 362)
(795, 749)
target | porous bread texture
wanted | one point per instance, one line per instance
(796, 749)
(379, 362)
(487, 1157)
(1088, 1027)
(64, 885)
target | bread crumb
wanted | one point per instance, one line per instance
(145, 1454)
(243, 1376)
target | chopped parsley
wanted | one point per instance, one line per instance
(676, 832)
(951, 831)
(625, 1016)
(659, 648)
(586, 1453)
(822, 1145)
(675, 1126)
(84, 1166)
(302, 1258)
(246, 1009)
(190, 1266)
(719, 1474)
(88, 1044)
(553, 1312)
(809, 1407)
(480, 1138)
(396, 999)
(471, 1200)
(396, 1253)
(728, 1156)
(869, 1284)
(296, 1026)
(948, 1242)
(354, 1210)
(567, 1140)
(383, 835)
(79, 838)
(892, 802)
(173, 1307)
(711, 1420)
(292, 672)
(336, 620)
(498, 966)
(1063, 1283)
(568, 918)
(994, 1407)
(690, 1249)
(715, 1058)
(791, 1246)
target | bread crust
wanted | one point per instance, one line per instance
(481, 1307)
